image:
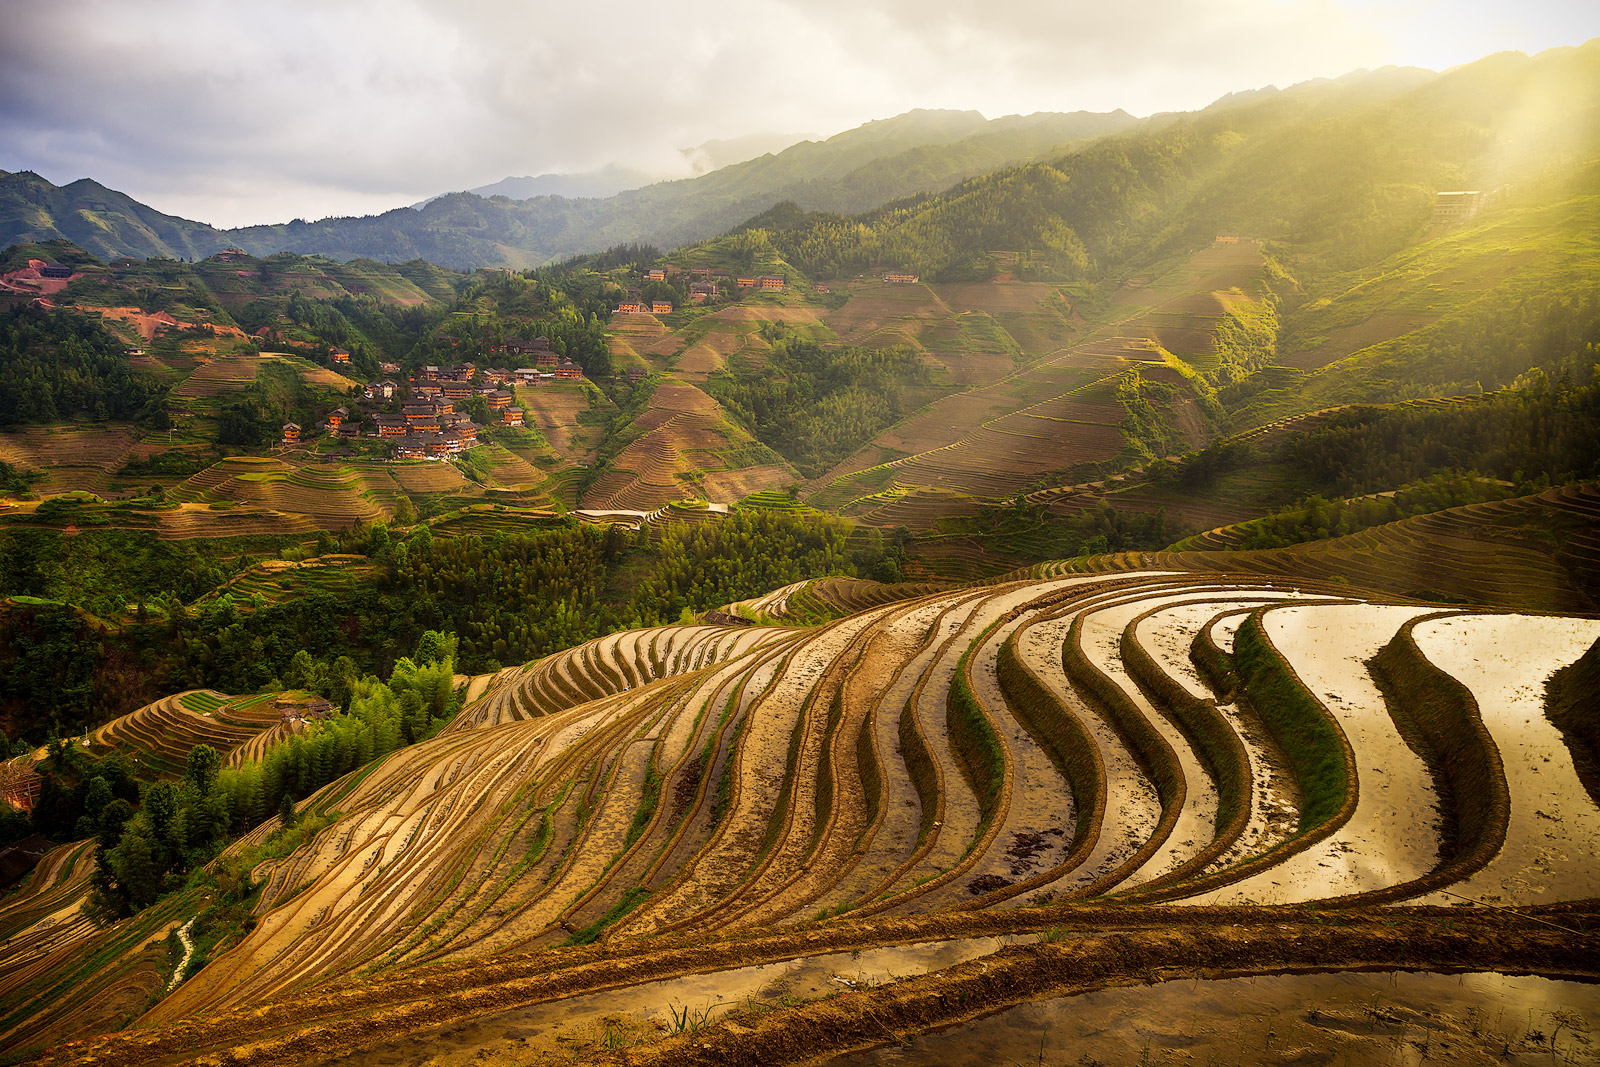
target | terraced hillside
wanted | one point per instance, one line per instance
(683, 446)
(160, 736)
(1079, 754)
(323, 495)
(1067, 404)
(1539, 552)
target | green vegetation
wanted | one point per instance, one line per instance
(1023, 531)
(1308, 736)
(176, 828)
(983, 759)
(1317, 519)
(511, 597)
(55, 365)
(815, 405)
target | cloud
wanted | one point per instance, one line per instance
(255, 111)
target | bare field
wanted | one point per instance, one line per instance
(704, 799)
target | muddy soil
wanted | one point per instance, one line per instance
(1083, 948)
(1361, 1019)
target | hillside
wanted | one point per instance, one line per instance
(918, 152)
(962, 802)
(1140, 600)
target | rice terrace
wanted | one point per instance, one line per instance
(1068, 589)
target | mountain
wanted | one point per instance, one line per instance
(1338, 173)
(918, 152)
(612, 179)
(592, 184)
(101, 221)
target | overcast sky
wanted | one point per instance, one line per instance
(243, 111)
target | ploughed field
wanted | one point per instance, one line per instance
(1144, 774)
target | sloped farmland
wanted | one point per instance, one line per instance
(1186, 767)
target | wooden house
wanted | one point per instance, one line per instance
(660, 307)
(429, 390)
(700, 292)
(525, 376)
(350, 430)
(746, 281)
(410, 448)
(567, 371)
(499, 400)
(545, 359)
(337, 416)
(340, 355)
(900, 277)
(655, 274)
(629, 307)
(431, 372)
(392, 425)
(383, 390)
(771, 283)
(291, 433)
(520, 346)
(456, 390)
(512, 416)
(1456, 205)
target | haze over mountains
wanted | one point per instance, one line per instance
(526, 221)
(950, 540)
(613, 178)
(921, 151)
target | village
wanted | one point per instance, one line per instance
(421, 420)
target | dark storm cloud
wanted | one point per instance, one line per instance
(248, 111)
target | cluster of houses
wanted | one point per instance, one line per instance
(428, 426)
(703, 287)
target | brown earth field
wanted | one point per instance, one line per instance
(553, 410)
(1082, 948)
(1340, 342)
(762, 313)
(103, 445)
(965, 441)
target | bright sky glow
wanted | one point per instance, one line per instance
(251, 111)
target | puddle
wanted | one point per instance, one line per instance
(1350, 1019)
(1392, 837)
(622, 1017)
(1552, 844)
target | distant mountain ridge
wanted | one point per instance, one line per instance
(612, 179)
(920, 151)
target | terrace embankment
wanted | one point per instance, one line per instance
(1107, 754)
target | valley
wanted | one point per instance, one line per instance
(1068, 589)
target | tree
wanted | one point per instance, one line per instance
(135, 865)
(204, 762)
(286, 811)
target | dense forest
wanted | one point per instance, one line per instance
(1550, 429)
(57, 366)
(511, 598)
(153, 833)
(815, 405)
